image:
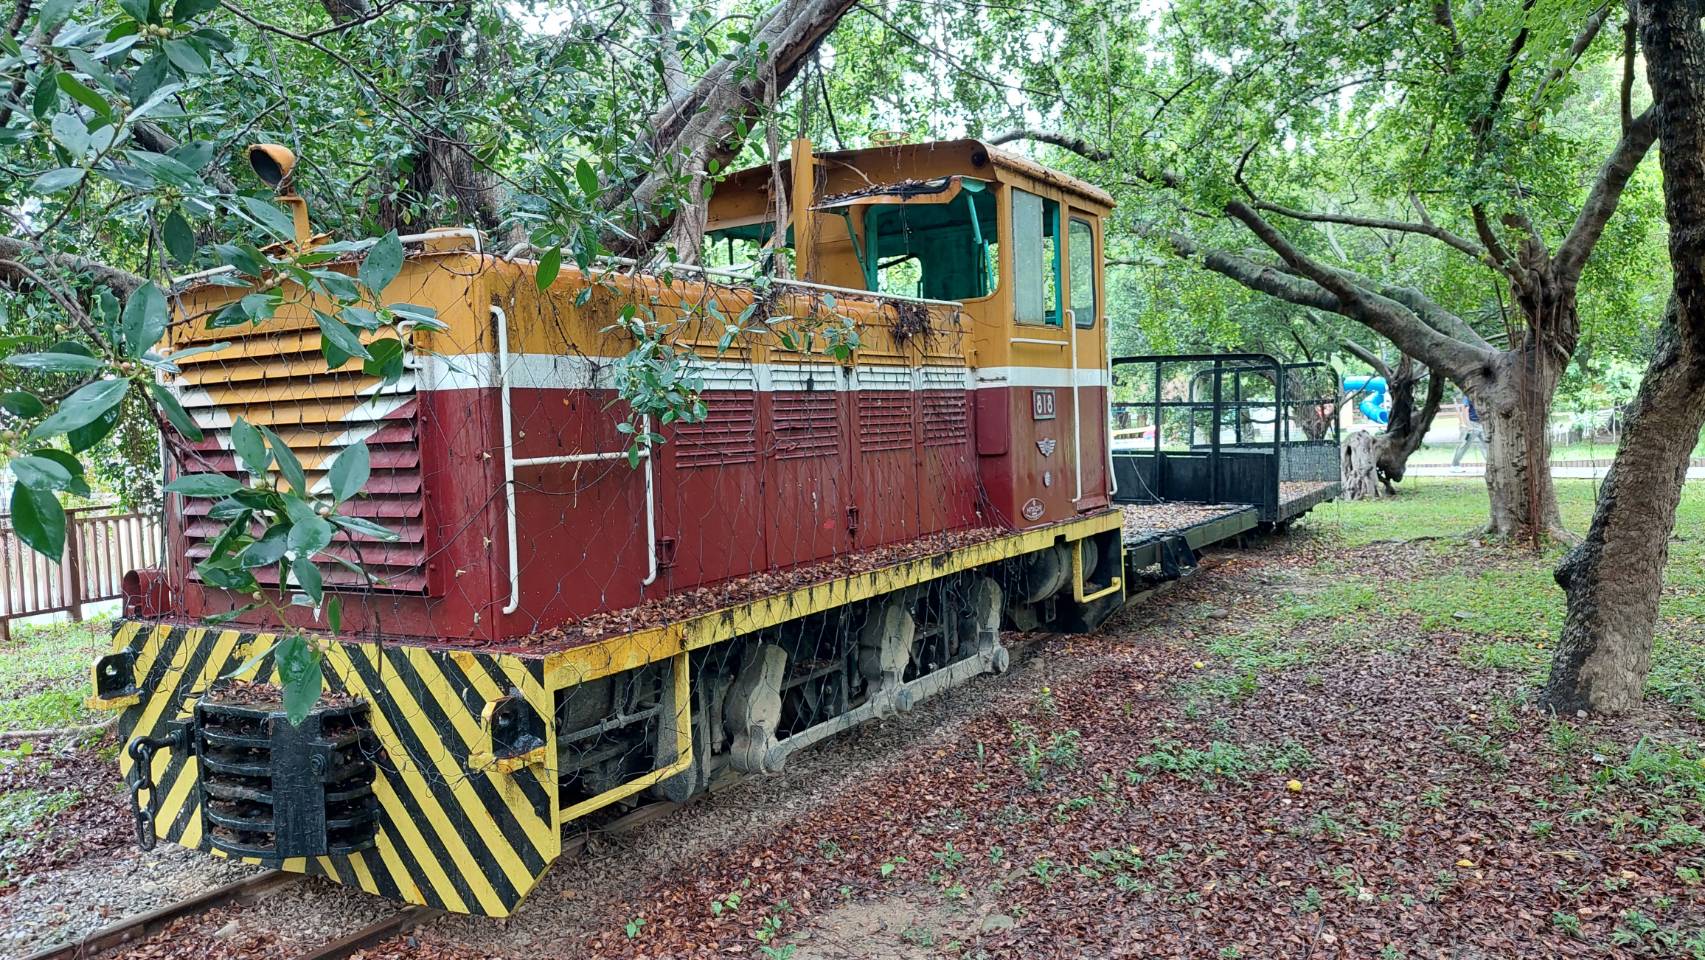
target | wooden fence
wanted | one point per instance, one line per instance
(101, 545)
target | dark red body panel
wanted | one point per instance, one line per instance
(770, 479)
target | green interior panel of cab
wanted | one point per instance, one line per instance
(951, 243)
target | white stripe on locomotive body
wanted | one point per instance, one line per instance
(1060, 377)
(541, 371)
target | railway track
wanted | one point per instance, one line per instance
(134, 930)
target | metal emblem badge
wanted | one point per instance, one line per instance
(1047, 445)
(1047, 478)
(1033, 509)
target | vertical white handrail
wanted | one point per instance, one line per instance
(1107, 424)
(502, 321)
(510, 462)
(1077, 411)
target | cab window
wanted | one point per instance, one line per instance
(942, 251)
(1081, 243)
(1035, 259)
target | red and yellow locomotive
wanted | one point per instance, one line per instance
(563, 625)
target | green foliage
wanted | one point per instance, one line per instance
(93, 134)
(1220, 761)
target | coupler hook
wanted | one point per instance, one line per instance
(142, 750)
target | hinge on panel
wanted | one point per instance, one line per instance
(665, 552)
(852, 519)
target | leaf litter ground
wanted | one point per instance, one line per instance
(1320, 747)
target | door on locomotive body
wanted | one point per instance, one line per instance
(1085, 293)
(1039, 374)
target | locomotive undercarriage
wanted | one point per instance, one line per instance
(759, 698)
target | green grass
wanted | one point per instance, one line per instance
(1506, 599)
(1453, 506)
(1521, 604)
(1434, 454)
(44, 675)
(1441, 453)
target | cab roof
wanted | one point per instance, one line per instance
(897, 170)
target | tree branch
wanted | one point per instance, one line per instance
(699, 126)
(1443, 17)
(14, 29)
(1077, 145)
(1426, 228)
(1605, 194)
(1368, 357)
(155, 140)
(1582, 41)
(120, 282)
(1627, 91)
(663, 28)
(1385, 316)
(1482, 124)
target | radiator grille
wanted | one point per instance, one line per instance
(279, 380)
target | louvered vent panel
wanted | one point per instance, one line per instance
(885, 408)
(944, 406)
(728, 433)
(280, 380)
(807, 419)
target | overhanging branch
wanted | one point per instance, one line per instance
(1425, 228)
(120, 282)
(1077, 145)
(1605, 193)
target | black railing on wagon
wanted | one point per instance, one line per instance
(1223, 428)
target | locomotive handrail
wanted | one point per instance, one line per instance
(510, 462)
(1222, 363)
(1069, 318)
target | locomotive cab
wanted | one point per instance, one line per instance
(1014, 247)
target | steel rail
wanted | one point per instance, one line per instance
(143, 925)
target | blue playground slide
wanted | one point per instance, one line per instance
(1376, 406)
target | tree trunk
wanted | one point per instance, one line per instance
(441, 162)
(1407, 427)
(1513, 397)
(1614, 578)
(1361, 467)
(710, 121)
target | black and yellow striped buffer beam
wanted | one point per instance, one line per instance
(457, 829)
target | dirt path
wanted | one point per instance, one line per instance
(1238, 770)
